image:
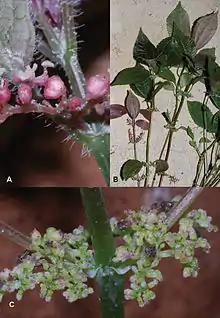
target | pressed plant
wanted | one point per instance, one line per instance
(47, 34)
(65, 261)
(178, 64)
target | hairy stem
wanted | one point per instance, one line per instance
(99, 146)
(183, 205)
(15, 235)
(71, 65)
(110, 284)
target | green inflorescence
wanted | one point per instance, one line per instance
(147, 241)
(60, 261)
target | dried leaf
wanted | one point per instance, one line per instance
(132, 105)
(146, 113)
(117, 110)
(204, 29)
(143, 124)
(161, 166)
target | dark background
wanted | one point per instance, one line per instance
(33, 154)
(26, 209)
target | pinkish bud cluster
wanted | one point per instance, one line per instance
(54, 88)
(74, 103)
(98, 87)
(24, 94)
(5, 94)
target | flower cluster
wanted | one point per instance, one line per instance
(147, 241)
(57, 261)
(60, 261)
(34, 93)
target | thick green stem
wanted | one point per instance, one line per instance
(111, 285)
(99, 146)
(71, 63)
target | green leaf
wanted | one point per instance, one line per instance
(192, 143)
(130, 169)
(143, 50)
(186, 45)
(142, 89)
(212, 75)
(131, 75)
(167, 74)
(166, 116)
(204, 29)
(158, 87)
(215, 95)
(169, 86)
(204, 140)
(185, 79)
(190, 132)
(176, 49)
(202, 55)
(17, 38)
(202, 116)
(180, 17)
(169, 52)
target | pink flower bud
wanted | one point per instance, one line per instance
(54, 88)
(74, 103)
(97, 87)
(5, 94)
(24, 94)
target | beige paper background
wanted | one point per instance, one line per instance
(127, 16)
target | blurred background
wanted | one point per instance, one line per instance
(33, 154)
(26, 209)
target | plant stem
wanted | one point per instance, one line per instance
(110, 284)
(160, 156)
(135, 144)
(177, 111)
(15, 235)
(199, 165)
(183, 205)
(148, 145)
(99, 146)
(134, 136)
(71, 63)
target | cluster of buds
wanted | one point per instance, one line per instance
(65, 261)
(147, 241)
(35, 93)
(59, 261)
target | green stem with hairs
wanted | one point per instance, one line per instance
(183, 205)
(99, 146)
(111, 285)
(71, 63)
